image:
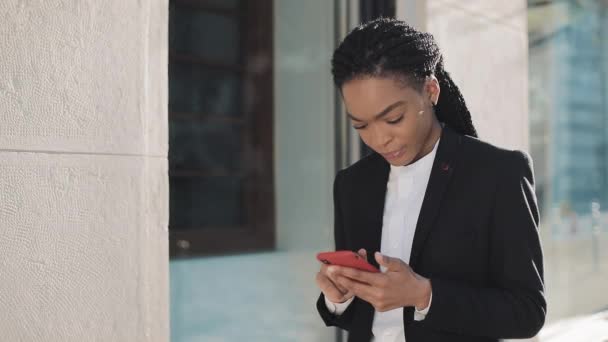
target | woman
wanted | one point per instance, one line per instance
(452, 220)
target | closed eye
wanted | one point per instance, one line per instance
(396, 120)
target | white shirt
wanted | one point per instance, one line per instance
(404, 195)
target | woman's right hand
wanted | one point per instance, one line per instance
(330, 288)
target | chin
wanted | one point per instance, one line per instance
(404, 160)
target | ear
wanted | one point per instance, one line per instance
(432, 89)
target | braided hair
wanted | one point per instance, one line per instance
(387, 47)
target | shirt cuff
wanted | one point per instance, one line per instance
(337, 308)
(419, 315)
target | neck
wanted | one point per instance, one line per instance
(430, 140)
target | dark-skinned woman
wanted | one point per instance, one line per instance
(450, 220)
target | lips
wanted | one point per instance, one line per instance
(393, 155)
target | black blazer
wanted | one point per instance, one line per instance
(476, 239)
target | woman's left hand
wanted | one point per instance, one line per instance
(398, 287)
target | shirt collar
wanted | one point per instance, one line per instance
(422, 165)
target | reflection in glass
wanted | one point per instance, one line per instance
(206, 146)
(199, 89)
(214, 202)
(568, 110)
(212, 36)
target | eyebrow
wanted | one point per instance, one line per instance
(382, 113)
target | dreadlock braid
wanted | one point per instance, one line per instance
(452, 103)
(390, 48)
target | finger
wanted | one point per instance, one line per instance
(329, 289)
(340, 288)
(360, 290)
(331, 272)
(362, 276)
(323, 269)
(391, 264)
(362, 252)
(346, 296)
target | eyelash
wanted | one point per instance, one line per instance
(395, 121)
(390, 122)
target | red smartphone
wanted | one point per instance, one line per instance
(346, 258)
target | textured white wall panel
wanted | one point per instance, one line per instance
(488, 60)
(85, 76)
(510, 13)
(83, 248)
(83, 170)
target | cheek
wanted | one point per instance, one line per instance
(383, 133)
(405, 133)
(365, 136)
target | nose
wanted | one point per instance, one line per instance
(380, 139)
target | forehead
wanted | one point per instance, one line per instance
(368, 96)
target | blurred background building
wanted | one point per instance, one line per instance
(568, 105)
(219, 120)
(534, 75)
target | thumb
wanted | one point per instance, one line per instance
(391, 264)
(362, 252)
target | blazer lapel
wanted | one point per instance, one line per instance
(371, 207)
(375, 190)
(441, 173)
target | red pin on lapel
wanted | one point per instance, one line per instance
(445, 166)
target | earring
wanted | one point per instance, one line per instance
(421, 112)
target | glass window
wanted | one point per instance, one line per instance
(252, 164)
(568, 72)
(204, 90)
(220, 127)
(194, 29)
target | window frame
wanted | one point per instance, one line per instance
(258, 201)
